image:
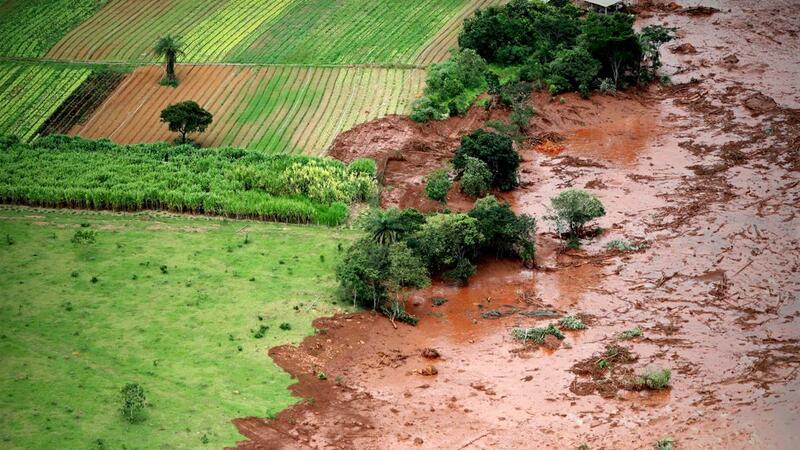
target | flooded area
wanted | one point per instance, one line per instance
(703, 174)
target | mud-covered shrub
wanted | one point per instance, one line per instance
(505, 233)
(477, 178)
(572, 209)
(536, 334)
(654, 379)
(438, 185)
(572, 323)
(630, 334)
(496, 151)
(621, 246)
(133, 402)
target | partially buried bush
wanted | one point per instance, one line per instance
(438, 185)
(447, 242)
(536, 334)
(477, 178)
(573, 208)
(505, 233)
(496, 151)
(653, 379)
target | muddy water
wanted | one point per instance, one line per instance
(709, 184)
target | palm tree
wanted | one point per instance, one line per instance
(169, 48)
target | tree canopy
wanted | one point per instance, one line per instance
(496, 151)
(186, 117)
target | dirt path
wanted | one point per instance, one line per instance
(706, 172)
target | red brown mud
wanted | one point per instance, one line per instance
(710, 183)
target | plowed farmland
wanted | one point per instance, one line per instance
(276, 32)
(29, 94)
(275, 109)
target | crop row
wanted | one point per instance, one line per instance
(275, 32)
(61, 171)
(278, 109)
(29, 28)
(29, 94)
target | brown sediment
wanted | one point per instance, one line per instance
(705, 172)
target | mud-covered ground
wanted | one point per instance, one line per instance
(706, 172)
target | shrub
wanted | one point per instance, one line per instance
(572, 323)
(573, 208)
(396, 310)
(285, 326)
(451, 86)
(445, 241)
(496, 151)
(653, 379)
(84, 237)
(438, 185)
(572, 69)
(665, 444)
(505, 233)
(622, 246)
(363, 166)
(477, 178)
(406, 269)
(630, 334)
(133, 402)
(425, 109)
(535, 334)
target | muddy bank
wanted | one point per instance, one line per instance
(707, 173)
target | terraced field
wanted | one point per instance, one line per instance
(278, 109)
(276, 32)
(30, 94)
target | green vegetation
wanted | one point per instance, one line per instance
(622, 246)
(70, 345)
(536, 334)
(665, 444)
(572, 323)
(496, 151)
(653, 379)
(505, 233)
(476, 178)
(60, 171)
(438, 185)
(630, 334)
(133, 402)
(30, 94)
(168, 48)
(186, 117)
(451, 87)
(572, 209)
(30, 27)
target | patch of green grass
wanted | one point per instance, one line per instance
(536, 334)
(654, 379)
(69, 345)
(630, 334)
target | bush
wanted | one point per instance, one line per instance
(477, 178)
(84, 237)
(451, 87)
(572, 69)
(572, 323)
(133, 402)
(363, 166)
(654, 379)
(665, 444)
(496, 151)
(446, 240)
(573, 208)
(505, 233)
(425, 109)
(438, 185)
(535, 334)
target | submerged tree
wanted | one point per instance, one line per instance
(186, 117)
(169, 47)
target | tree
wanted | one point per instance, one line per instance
(573, 208)
(133, 402)
(496, 150)
(186, 117)
(362, 273)
(477, 178)
(651, 38)
(391, 225)
(169, 47)
(574, 65)
(610, 39)
(447, 242)
(438, 185)
(505, 233)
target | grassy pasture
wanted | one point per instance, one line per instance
(185, 332)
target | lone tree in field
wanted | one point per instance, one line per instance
(186, 117)
(169, 48)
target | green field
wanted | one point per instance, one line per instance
(30, 94)
(184, 332)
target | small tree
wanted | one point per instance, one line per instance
(477, 178)
(169, 47)
(573, 208)
(186, 117)
(133, 402)
(447, 242)
(496, 150)
(505, 233)
(438, 185)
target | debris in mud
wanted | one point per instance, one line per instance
(431, 353)
(540, 313)
(572, 323)
(698, 11)
(604, 374)
(730, 59)
(428, 371)
(684, 49)
(438, 301)
(759, 103)
(549, 148)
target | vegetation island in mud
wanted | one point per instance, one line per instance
(399, 224)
